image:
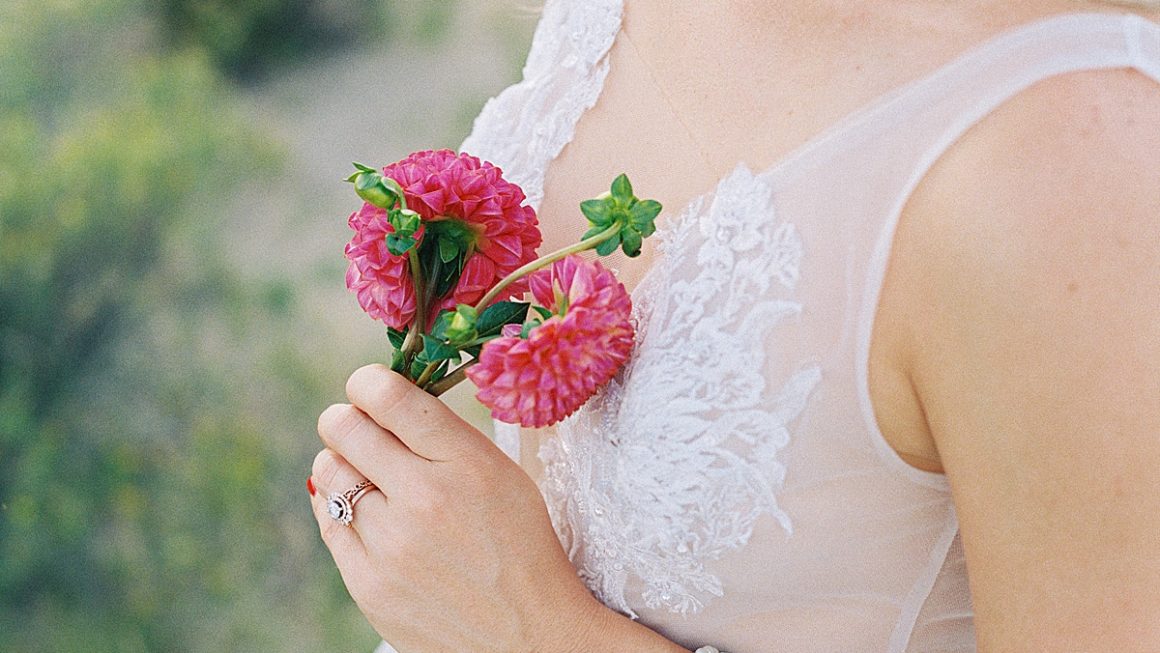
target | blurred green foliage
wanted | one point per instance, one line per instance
(144, 505)
(247, 38)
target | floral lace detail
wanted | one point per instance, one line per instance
(670, 465)
(523, 128)
(634, 491)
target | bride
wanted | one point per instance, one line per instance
(896, 384)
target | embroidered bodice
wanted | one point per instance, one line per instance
(731, 486)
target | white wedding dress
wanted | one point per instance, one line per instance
(731, 486)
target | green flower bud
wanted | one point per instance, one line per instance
(405, 222)
(632, 218)
(461, 328)
(375, 189)
(370, 187)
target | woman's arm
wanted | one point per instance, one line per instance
(1032, 283)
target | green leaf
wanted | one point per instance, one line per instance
(474, 351)
(609, 246)
(631, 240)
(439, 327)
(622, 189)
(417, 367)
(494, 317)
(597, 211)
(448, 250)
(437, 350)
(544, 313)
(394, 187)
(397, 362)
(444, 276)
(399, 245)
(362, 168)
(396, 337)
(644, 212)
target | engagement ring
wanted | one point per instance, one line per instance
(341, 506)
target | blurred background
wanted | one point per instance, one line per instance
(172, 308)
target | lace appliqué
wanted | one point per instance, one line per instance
(523, 128)
(670, 465)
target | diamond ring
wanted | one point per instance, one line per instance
(341, 506)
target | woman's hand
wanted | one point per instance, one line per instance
(456, 551)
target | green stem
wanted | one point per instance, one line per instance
(408, 342)
(428, 372)
(449, 381)
(586, 244)
(413, 342)
(478, 341)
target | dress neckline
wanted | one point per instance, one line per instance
(1036, 30)
(691, 212)
(1032, 31)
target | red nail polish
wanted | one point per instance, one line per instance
(310, 485)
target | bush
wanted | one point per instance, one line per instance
(143, 504)
(247, 38)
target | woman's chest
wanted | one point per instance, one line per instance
(677, 122)
(675, 151)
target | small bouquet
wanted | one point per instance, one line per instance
(444, 253)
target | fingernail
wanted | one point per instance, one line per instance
(310, 484)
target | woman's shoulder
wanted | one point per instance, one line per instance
(1054, 164)
(1041, 222)
(1034, 295)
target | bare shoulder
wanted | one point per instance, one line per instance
(1033, 256)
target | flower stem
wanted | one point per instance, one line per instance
(586, 244)
(413, 341)
(428, 372)
(449, 381)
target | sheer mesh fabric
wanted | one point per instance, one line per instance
(742, 496)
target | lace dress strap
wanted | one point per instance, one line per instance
(523, 128)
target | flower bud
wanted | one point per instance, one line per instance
(376, 189)
(372, 190)
(633, 218)
(405, 222)
(461, 328)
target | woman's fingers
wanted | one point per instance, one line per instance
(373, 451)
(331, 474)
(422, 422)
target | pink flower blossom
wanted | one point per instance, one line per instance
(381, 280)
(542, 379)
(442, 185)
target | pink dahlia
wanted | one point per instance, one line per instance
(544, 378)
(381, 280)
(442, 185)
